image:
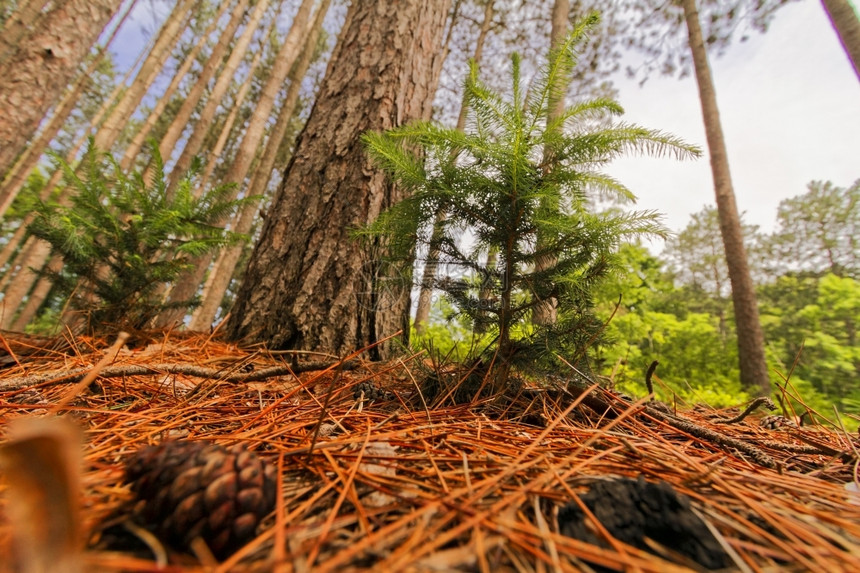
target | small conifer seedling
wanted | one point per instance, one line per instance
(123, 239)
(513, 175)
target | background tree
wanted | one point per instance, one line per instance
(818, 231)
(846, 22)
(659, 23)
(307, 285)
(33, 76)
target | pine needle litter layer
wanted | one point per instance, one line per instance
(370, 476)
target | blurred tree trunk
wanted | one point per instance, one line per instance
(545, 310)
(152, 66)
(222, 271)
(20, 287)
(207, 115)
(25, 18)
(846, 22)
(187, 285)
(139, 139)
(192, 98)
(431, 264)
(33, 78)
(309, 284)
(753, 366)
(17, 175)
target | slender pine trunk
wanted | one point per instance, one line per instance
(431, 265)
(753, 365)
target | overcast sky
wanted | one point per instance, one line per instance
(790, 107)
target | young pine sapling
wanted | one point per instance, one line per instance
(513, 175)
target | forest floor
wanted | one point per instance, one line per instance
(395, 484)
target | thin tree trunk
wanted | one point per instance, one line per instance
(20, 287)
(204, 122)
(29, 256)
(17, 175)
(545, 311)
(136, 145)
(34, 77)
(224, 136)
(753, 366)
(37, 297)
(192, 98)
(845, 21)
(431, 264)
(222, 271)
(187, 285)
(152, 66)
(309, 284)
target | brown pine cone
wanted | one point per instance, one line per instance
(191, 489)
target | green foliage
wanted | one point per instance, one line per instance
(817, 231)
(123, 239)
(514, 175)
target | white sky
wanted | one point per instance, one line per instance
(790, 107)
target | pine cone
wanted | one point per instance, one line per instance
(776, 422)
(191, 489)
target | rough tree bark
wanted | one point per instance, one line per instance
(753, 366)
(308, 283)
(34, 76)
(16, 177)
(845, 21)
(25, 18)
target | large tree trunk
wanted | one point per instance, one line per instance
(753, 366)
(17, 175)
(845, 21)
(223, 270)
(309, 284)
(25, 18)
(34, 76)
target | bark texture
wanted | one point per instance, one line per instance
(309, 284)
(34, 76)
(846, 22)
(753, 366)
